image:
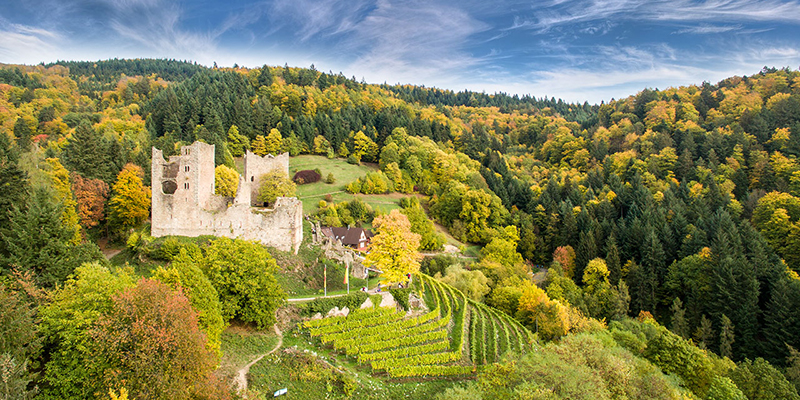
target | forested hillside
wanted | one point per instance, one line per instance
(682, 204)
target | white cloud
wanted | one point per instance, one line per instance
(708, 29)
(27, 44)
(414, 42)
(557, 14)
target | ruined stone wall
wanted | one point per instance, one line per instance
(184, 203)
(255, 166)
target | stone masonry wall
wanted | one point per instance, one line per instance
(184, 203)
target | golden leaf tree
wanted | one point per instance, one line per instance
(130, 204)
(394, 249)
(273, 142)
(226, 181)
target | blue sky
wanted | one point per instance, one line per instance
(589, 50)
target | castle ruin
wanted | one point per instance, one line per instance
(184, 203)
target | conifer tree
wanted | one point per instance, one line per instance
(37, 240)
(85, 153)
(679, 324)
(587, 250)
(726, 337)
(13, 184)
(23, 133)
(704, 333)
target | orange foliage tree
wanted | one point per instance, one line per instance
(152, 344)
(91, 195)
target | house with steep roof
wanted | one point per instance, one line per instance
(357, 238)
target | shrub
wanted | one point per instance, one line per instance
(324, 304)
(401, 297)
(272, 185)
(306, 176)
(330, 178)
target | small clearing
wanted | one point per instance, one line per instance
(240, 381)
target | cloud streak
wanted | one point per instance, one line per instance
(573, 12)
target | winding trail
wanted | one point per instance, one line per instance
(240, 381)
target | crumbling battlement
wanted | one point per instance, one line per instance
(184, 203)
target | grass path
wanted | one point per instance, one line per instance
(240, 381)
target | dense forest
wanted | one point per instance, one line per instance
(682, 204)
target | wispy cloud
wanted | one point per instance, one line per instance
(28, 44)
(708, 29)
(156, 24)
(558, 14)
(311, 18)
(412, 40)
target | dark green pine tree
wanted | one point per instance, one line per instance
(735, 293)
(612, 261)
(745, 315)
(704, 333)
(653, 255)
(23, 133)
(782, 320)
(13, 184)
(569, 228)
(726, 337)
(679, 324)
(586, 251)
(642, 283)
(85, 153)
(37, 241)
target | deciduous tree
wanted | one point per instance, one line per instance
(226, 181)
(91, 196)
(394, 249)
(130, 203)
(243, 273)
(151, 343)
(274, 184)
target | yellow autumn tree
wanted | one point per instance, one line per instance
(226, 181)
(394, 249)
(549, 318)
(259, 145)
(130, 203)
(61, 185)
(273, 142)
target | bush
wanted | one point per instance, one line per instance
(353, 159)
(330, 178)
(306, 176)
(324, 304)
(272, 185)
(401, 297)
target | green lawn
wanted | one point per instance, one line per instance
(240, 346)
(344, 173)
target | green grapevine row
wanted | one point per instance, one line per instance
(407, 351)
(491, 351)
(388, 334)
(398, 342)
(429, 371)
(370, 330)
(350, 325)
(353, 316)
(422, 359)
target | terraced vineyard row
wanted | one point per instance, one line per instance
(432, 344)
